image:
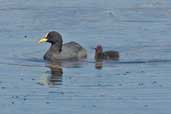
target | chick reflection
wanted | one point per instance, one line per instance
(99, 64)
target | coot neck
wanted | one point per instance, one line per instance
(56, 47)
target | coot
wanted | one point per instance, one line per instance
(60, 51)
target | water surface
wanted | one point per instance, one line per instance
(139, 83)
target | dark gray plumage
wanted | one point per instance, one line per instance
(60, 51)
(107, 55)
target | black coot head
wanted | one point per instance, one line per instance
(54, 38)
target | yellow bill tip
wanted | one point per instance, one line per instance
(44, 39)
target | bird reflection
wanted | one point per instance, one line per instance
(56, 72)
(99, 64)
(54, 77)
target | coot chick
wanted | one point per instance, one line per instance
(60, 51)
(107, 55)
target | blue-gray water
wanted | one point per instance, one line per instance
(139, 83)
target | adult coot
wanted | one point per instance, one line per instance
(60, 51)
(107, 55)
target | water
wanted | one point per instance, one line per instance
(139, 83)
